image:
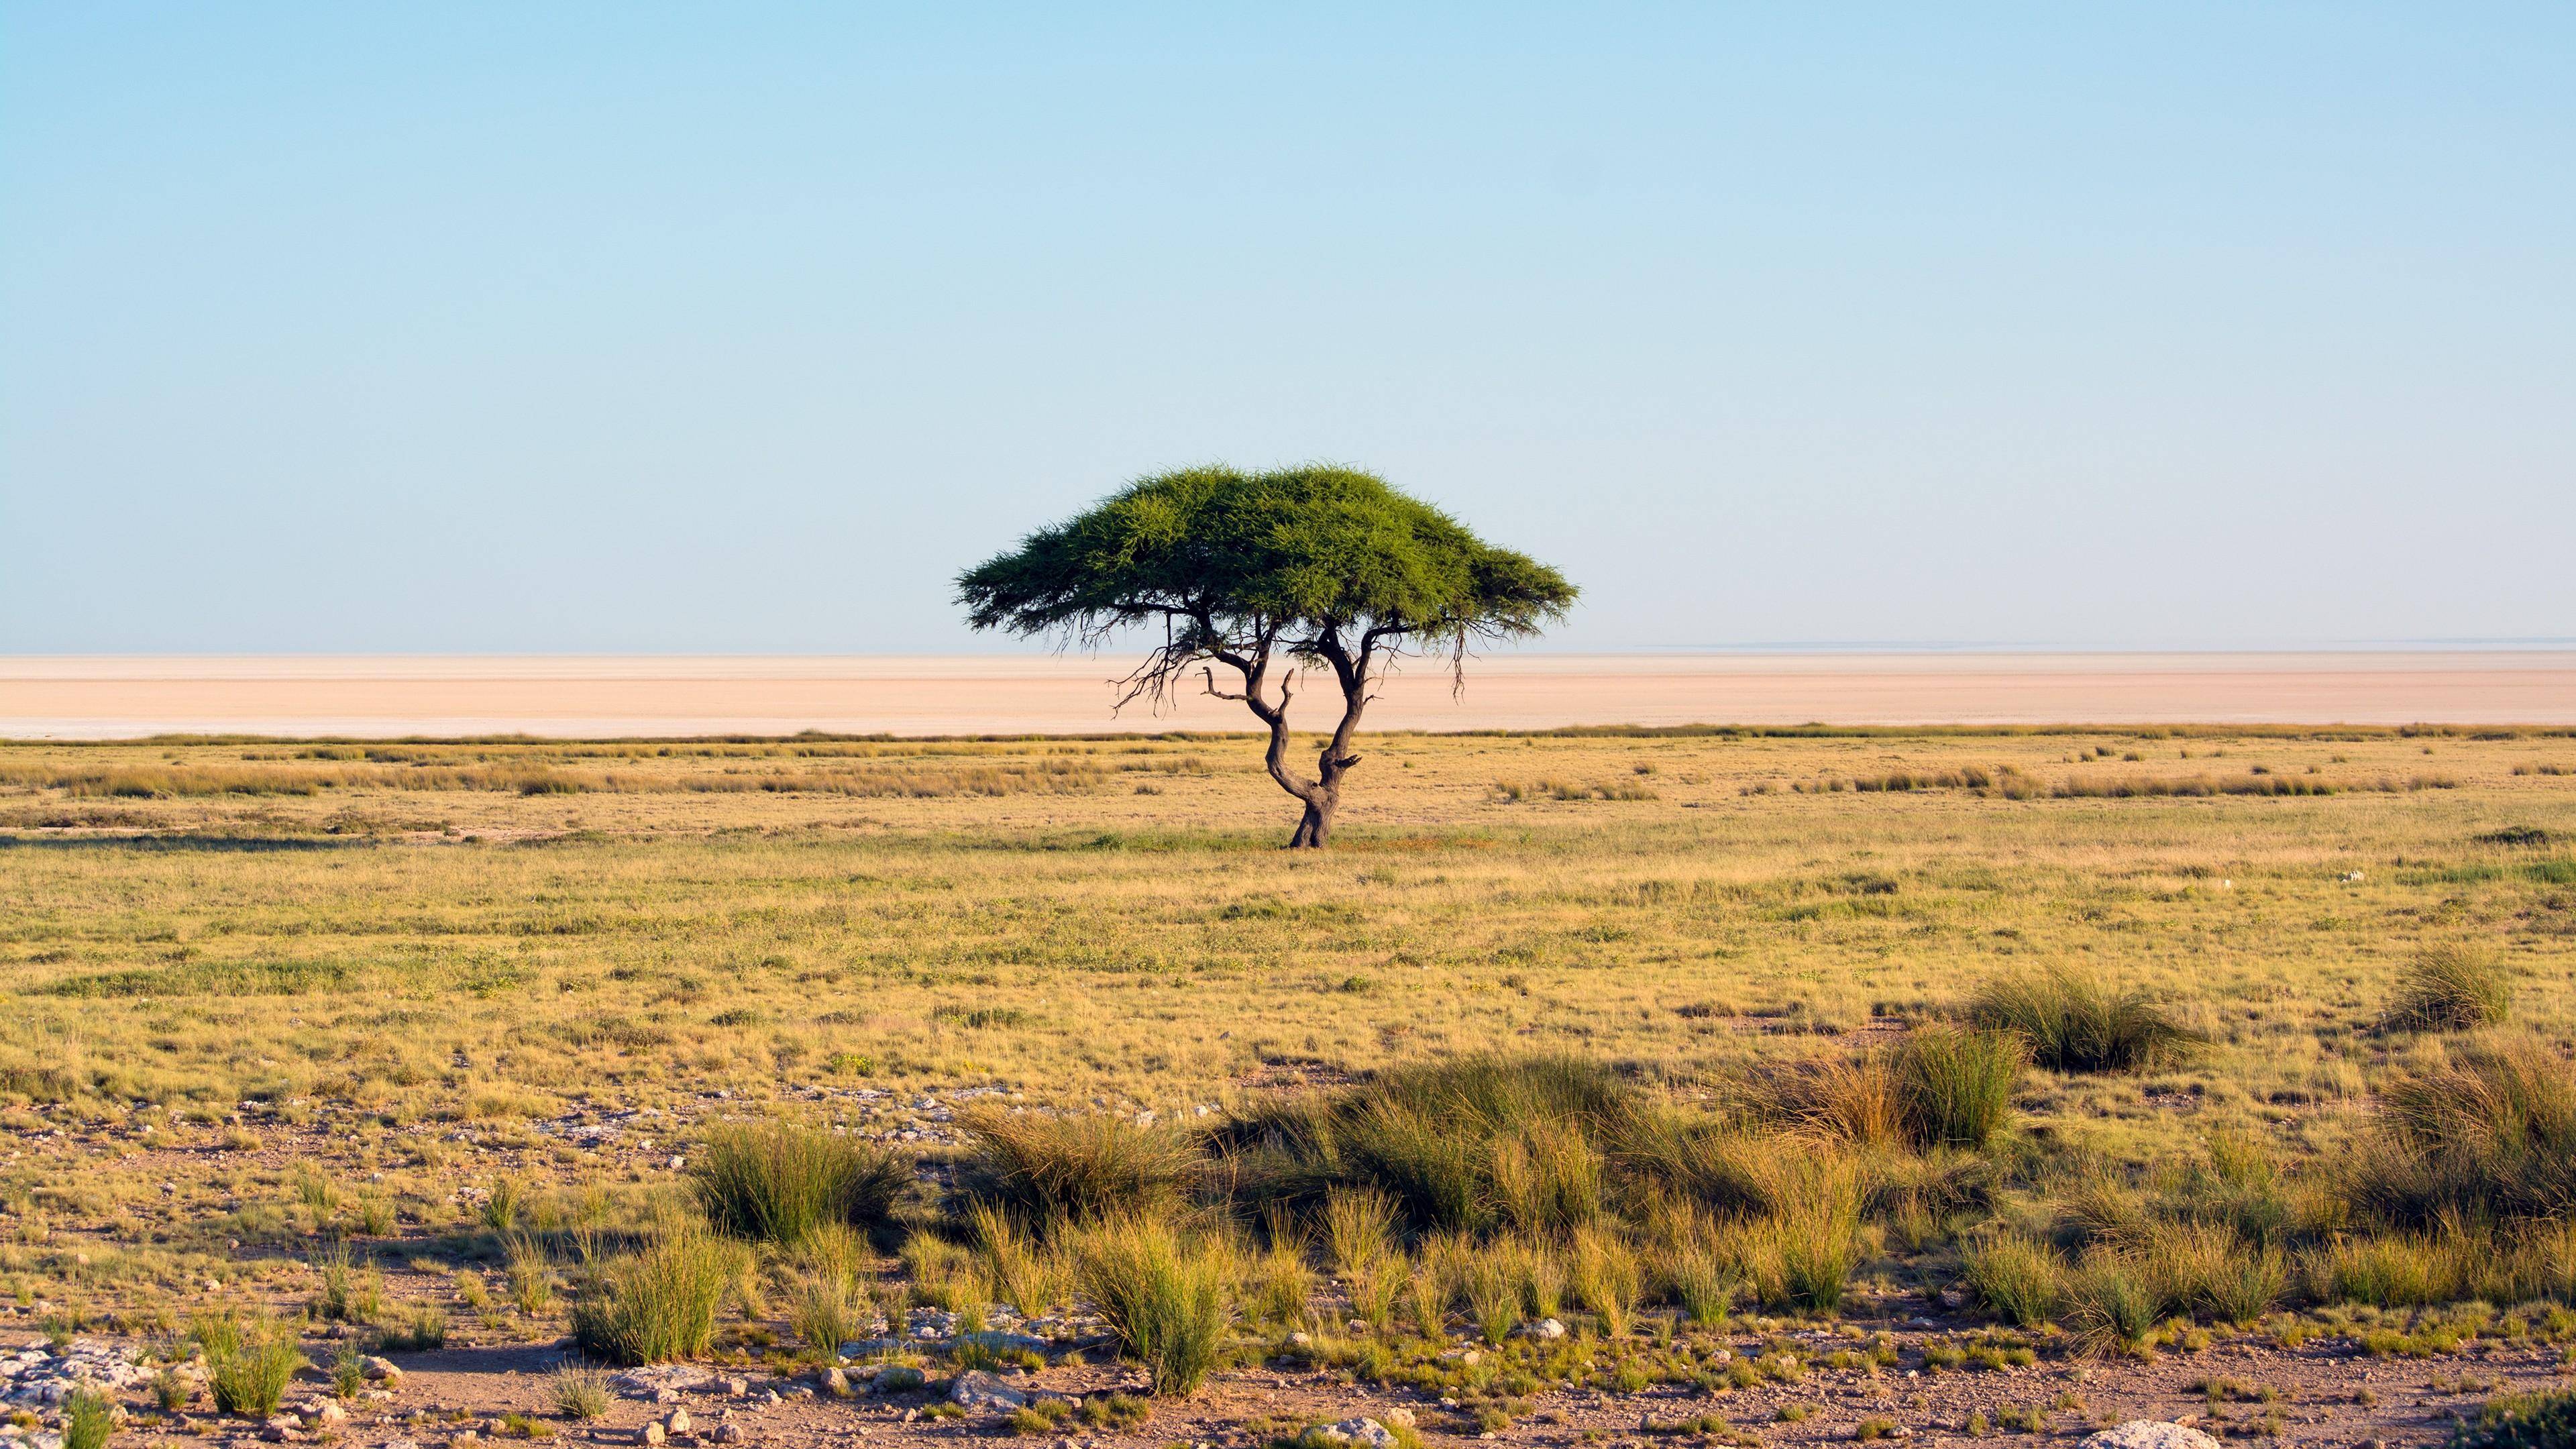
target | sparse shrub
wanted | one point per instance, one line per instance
(2073, 1023)
(1165, 1299)
(1955, 1088)
(2019, 1278)
(171, 1391)
(778, 1183)
(248, 1367)
(2450, 988)
(579, 1392)
(1052, 1171)
(659, 1303)
(88, 1419)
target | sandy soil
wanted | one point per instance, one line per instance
(69, 697)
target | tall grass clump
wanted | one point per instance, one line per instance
(1166, 1299)
(2450, 988)
(1802, 1254)
(1955, 1088)
(2489, 1135)
(1605, 1279)
(826, 1313)
(2073, 1023)
(2020, 1279)
(2543, 1420)
(1050, 1172)
(88, 1419)
(1459, 1146)
(2111, 1306)
(1024, 1272)
(657, 1304)
(780, 1182)
(1359, 1227)
(248, 1368)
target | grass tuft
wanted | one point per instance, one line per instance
(1049, 1171)
(1166, 1300)
(781, 1182)
(658, 1304)
(249, 1367)
(2073, 1023)
(2450, 988)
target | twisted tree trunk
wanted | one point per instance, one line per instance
(1322, 796)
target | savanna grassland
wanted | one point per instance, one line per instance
(427, 1015)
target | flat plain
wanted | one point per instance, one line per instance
(449, 1026)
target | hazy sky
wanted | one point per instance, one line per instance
(742, 327)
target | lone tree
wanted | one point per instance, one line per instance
(1268, 574)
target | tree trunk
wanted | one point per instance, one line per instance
(1317, 826)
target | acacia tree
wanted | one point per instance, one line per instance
(1268, 575)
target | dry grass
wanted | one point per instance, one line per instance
(393, 965)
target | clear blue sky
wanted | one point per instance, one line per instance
(742, 327)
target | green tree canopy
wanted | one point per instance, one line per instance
(1267, 574)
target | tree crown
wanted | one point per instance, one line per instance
(1227, 559)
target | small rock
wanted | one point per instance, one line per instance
(2149, 1434)
(280, 1429)
(1548, 1328)
(730, 1434)
(976, 1389)
(678, 1423)
(836, 1383)
(735, 1388)
(1301, 1339)
(653, 1433)
(1358, 1433)
(383, 1371)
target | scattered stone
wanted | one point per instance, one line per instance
(1547, 1328)
(730, 1434)
(384, 1371)
(652, 1432)
(836, 1382)
(976, 1389)
(735, 1388)
(2149, 1434)
(1301, 1339)
(280, 1430)
(678, 1423)
(1358, 1433)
